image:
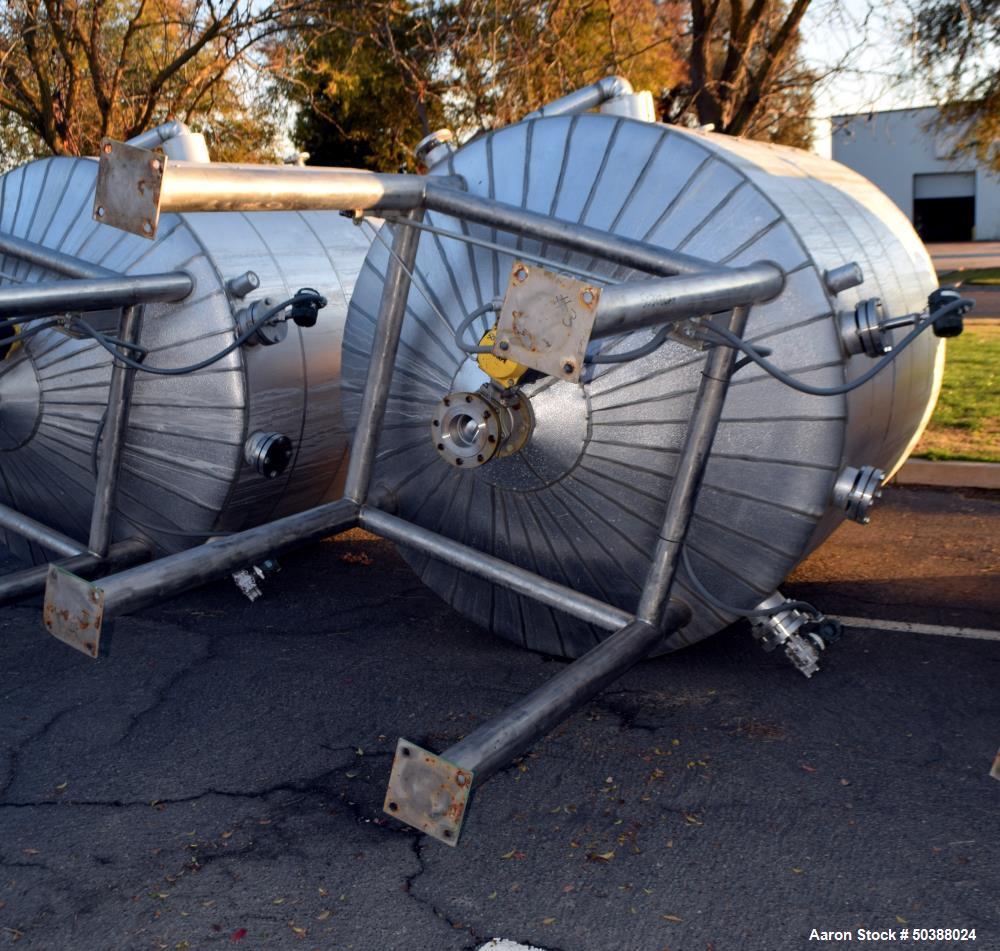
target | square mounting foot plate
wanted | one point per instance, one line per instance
(427, 792)
(127, 195)
(74, 610)
(546, 321)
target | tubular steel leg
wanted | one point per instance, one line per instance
(690, 468)
(392, 310)
(13, 521)
(119, 399)
(431, 792)
(75, 610)
(24, 584)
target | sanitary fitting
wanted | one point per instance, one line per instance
(268, 453)
(249, 580)
(633, 105)
(274, 331)
(801, 637)
(435, 147)
(243, 284)
(470, 429)
(856, 490)
(861, 330)
(843, 278)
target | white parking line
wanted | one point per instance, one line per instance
(502, 944)
(909, 627)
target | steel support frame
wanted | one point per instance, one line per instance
(426, 790)
(89, 287)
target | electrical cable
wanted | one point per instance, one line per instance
(754, 355)
(493, 306)
(654, 343)
(108, 343)
(31, 331)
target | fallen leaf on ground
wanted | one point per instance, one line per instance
(807, 768)
(548, 921)
(513, 854)
(600, 856)
(238, 935)
(671, 918)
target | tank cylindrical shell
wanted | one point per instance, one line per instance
(185, 476)
(583, 501)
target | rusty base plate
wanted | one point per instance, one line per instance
(427, 792)
(74, 610)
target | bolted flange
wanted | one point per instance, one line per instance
(860, 330)
(470, 429)
(466, 429)
(268, 453)
(435, 147)
(856, 490)
(274, 331)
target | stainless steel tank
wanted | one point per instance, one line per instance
(188, 468)
(582, 502)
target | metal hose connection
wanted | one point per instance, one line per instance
(470, 429)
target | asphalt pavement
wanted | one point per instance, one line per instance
(216, 779)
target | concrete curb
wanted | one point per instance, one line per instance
(960, 475)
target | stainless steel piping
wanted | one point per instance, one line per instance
(389, 324)
(102, 517)
(588, 97)
(51, 259)
(494, 569)
(701, 431)
(71, 602)
(637, 304)
(87, 294)
(493, 745)
(627, 252)
(193, 186)
(49, 538)
(24, 584)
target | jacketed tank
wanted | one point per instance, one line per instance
(191, 469)
(581, 503)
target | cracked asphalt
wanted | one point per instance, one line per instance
(216, 778)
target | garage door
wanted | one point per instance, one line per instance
(944, 206)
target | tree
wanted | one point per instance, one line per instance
(385, 73)
(364, 84)
(745, 75)
(957, 48)
(508, 59)
(74, 71)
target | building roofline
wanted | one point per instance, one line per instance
(883, 112)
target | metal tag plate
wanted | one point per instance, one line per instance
(546, 321)
(427, 792)
(127, 195)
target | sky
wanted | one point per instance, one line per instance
(871, 38)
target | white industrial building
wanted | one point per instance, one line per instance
(947, 198)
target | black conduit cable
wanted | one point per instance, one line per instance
(108, 344)
(754, 355)
(493, 306)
